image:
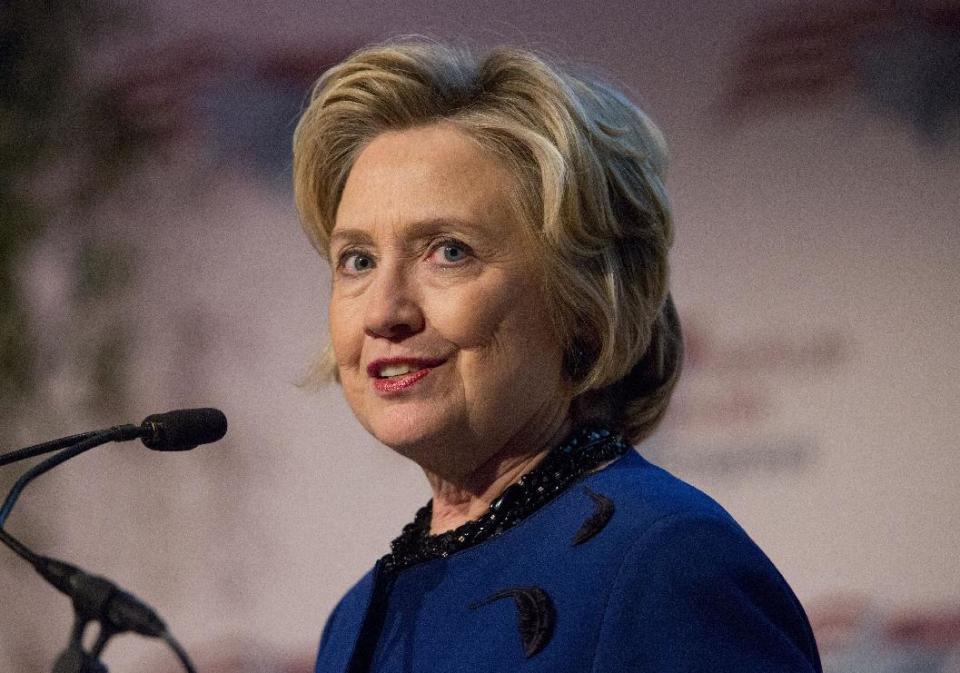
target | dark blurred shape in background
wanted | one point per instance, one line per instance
(903, 58)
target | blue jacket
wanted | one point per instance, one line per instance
(669, 583)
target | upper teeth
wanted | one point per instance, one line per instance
(395, 370)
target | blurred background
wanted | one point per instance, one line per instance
(150, 258)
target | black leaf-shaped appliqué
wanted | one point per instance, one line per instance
(536, 615)
(602, 513)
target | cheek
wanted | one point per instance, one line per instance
(505, 324)
(469, 317)
(346, 331)
(346, 338)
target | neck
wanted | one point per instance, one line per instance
(457, 501)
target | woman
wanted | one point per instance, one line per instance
(498, 234)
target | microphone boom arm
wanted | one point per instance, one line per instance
(45, 447)
(117, 433)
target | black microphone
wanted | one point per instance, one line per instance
(173, 431)
(183, 429)
(178, 430)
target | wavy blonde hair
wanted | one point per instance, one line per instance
(589, 167)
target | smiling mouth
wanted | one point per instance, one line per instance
(395, 368)
(393, 371)
(393, 376)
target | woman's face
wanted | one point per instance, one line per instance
(439, 325)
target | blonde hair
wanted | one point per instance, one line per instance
(589, 167)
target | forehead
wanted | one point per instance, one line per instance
(429, 173)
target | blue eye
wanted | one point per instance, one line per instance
(355, 262)
(451, 252)
(362, 262)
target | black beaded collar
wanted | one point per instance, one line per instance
(584, 450)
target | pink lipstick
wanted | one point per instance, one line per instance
(392, 375)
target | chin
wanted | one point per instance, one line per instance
(430, 441)
(402, 429)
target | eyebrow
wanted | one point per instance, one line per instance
(413, 230)
(350, 236)
(422, 228)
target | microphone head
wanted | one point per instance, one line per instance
(183, 429)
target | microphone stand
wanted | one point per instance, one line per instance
(94, 598)
(45, 447)
(74, 659)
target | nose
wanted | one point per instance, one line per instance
(393, 309)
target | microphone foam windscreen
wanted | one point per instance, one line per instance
(184, 429)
